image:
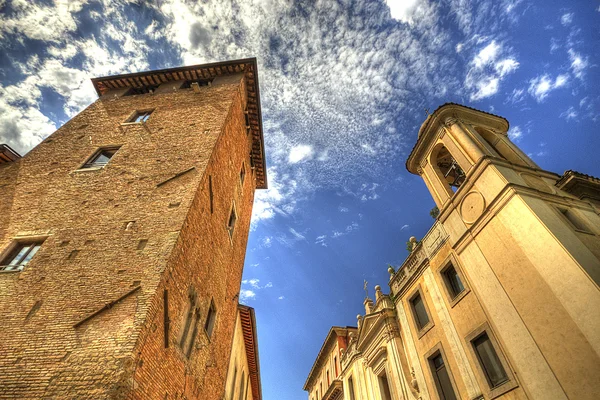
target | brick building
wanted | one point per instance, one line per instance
(123, 236)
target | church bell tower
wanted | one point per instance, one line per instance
(528, 241)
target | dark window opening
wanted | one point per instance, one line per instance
(140, 90)
(441, 378)
(166, 320)
(384, 387)
(191, 323)
(419, 311)
(231, 222)
(351, 388)
(251, 160)
(451, 171)
(100, 158)
(200, 82)
(20, 256)
(243, 173)
(328, 379)
(489, 360)
(453, 282)
(210, 193)
(190, 345)
(140, 116)
(211, 317)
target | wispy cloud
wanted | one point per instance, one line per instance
(566, 19)
(569, 114)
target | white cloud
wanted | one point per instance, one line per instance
(406, 226)
(402, 10)
(41, 22)
(566, 19)
(279, 198)
(246, 294)
(541, 86)
(488, 68)
(249, 292)
(578, 64)
(299, 153)
(515, 133)
(281, 297)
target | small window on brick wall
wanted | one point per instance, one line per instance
(232, 221)
(100, 158)
(20, 256)
(243, 173)
(211, 318)
(140, 116)
(190, 327)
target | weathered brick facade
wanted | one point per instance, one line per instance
(127, 231)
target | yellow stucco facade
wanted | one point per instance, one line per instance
(243, 375)
(500, 299)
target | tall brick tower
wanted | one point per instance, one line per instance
(123, 236)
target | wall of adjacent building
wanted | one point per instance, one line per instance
(238, 386)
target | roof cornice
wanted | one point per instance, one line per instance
(248, 66)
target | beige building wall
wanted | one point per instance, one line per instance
(243, 375)
(510, 267)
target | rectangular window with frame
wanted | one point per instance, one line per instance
(140, 116)
(489, 361)
(384, 387)
(441, 377)
(211, 317)
(419, 311)
(351, 388)
(453, 281)
(101, 157)
(20, 255)
(574, 219)
(190, 327)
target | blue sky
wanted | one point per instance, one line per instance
(344, 87)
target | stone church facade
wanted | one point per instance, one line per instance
(123, 236)
(499, 300)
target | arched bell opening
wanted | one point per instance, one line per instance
(448, 169)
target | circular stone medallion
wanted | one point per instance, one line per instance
(472, 206)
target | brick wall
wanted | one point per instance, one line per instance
(97, 222)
